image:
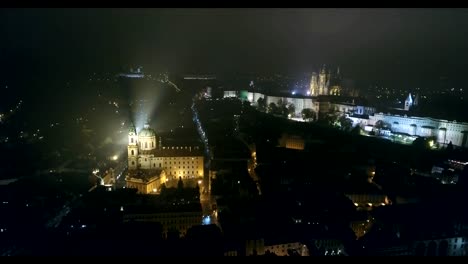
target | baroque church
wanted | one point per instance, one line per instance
(150, 164)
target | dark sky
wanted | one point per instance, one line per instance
(408, 46)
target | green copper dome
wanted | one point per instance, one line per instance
(147, 131)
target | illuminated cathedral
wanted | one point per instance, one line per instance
(325, 82)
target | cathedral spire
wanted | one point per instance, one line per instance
(324, 67)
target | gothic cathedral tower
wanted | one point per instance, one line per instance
(323, 89)
(408, 102)
(314, 89)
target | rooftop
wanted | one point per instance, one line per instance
(174, 152)
(163, 207)
(145, 175)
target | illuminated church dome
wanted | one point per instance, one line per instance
(147, 131)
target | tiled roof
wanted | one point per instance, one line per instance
(174, 152)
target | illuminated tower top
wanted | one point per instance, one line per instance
(132, 129)
(408, 102)
(132, 136)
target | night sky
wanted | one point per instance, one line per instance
(408, 47)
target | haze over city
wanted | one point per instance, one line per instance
(233, 132)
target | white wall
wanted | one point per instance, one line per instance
(424, 127)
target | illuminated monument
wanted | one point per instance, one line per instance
(150, 164)
(325, 83)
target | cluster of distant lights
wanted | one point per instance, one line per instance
(3, 117)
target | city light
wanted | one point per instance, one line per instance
(431, 143)
(206, 220)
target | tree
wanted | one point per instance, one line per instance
(261, 104)
(180, 184)
(308, 114)
(356, 130)
(450, 147)
(381, 125)
(291, 109)
(272, 108)
(163, 189)
(284, 111)
(345, 123)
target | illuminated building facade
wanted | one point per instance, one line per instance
(325, 83)
(368, 200)
(261, 247)
(445, 246)
(145, 181)
(408, 102)
(151, 164)
(444, 131)
(319, 105)
(292, 142)
(172, 218)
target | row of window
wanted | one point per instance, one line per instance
(132, 153)
(179, 162)
(188, 172)
(175, 167)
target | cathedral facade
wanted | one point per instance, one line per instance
(325, 82)
(150, 164)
